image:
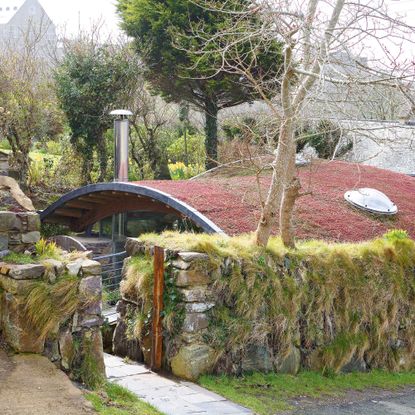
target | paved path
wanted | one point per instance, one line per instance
(169, 396)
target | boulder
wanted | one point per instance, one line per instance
(291, 363)
(198, 307)
(17, 333)
(31, 237)
(67, 349)
(74, 267)
(195, 322)
(54, 269)
(4, 242)
(90, 321)
(90, 267)
(15, 287)
(191, 278)
(93, 347)
(193, 256)
(123, 347)
(193, 361)
(9, 222)
(196, 295)
(90, 294)
(24, 272)
(32, 221)
(134, 247)
(11, 195)
(356, 364)
(257, 358)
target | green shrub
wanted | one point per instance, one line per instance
(195, 148)
(396, 235)
(5, 145)
(45, 249)
(324, 137)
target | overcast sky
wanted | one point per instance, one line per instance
(69, 15)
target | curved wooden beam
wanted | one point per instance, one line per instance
(120, 198)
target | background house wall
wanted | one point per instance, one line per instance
(27, 23)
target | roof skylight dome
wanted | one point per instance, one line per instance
(371, 200)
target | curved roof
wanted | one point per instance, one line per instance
(232, 200)
(229, 200)
(89, 204)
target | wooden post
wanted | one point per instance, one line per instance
(157, 329)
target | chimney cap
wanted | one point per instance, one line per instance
(121, 113)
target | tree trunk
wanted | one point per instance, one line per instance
(23, 164)
(284, 169)
(211, 131)
(87, 164)
(102, 156)
(158, 160)
(291, 193)
(161, 171)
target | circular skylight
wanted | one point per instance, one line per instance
(371, 200)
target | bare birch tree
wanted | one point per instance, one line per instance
(314, 32)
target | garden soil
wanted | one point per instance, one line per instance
(32, 385)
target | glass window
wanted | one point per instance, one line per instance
(371, 200)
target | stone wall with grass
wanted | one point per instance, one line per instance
(50, 303)
(232, 307)
(19, 222)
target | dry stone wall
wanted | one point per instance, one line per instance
(271, 313)
(75, 341)
(18, 231)
(76, 337)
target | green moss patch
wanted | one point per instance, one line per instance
(268, 393)
(116, 400)
(19, 259)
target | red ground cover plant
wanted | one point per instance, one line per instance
(233, 202)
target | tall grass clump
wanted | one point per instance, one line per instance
(137, 286)
(48, 305)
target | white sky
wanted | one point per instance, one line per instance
(69, 14)
(66, 13)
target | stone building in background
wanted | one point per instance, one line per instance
(25, 24)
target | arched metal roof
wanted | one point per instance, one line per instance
(87, 205)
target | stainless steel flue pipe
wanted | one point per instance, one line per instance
(121, 138)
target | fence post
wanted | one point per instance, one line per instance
(157, 335)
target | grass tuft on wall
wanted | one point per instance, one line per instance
(47, 305)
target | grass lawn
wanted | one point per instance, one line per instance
(116, 400)
(267, 394)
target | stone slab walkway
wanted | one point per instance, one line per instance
(172, 397)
